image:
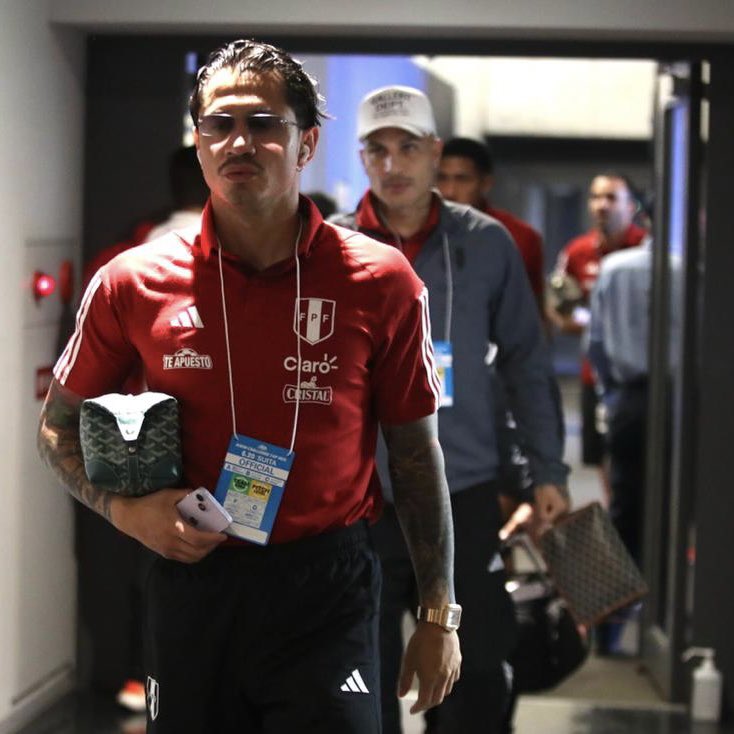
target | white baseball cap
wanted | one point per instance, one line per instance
(406, 108)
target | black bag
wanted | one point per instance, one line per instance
(131, 444)
(549, 646)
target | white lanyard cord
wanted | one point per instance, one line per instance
(449, 288)
(226, 342)
(298, 336)
(298, 339)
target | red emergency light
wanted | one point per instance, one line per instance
(43, 285)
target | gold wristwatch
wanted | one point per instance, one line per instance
(448, 616)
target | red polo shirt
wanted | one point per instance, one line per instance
(365, 350)
(530, 244)
(581, 257)
(368, 219)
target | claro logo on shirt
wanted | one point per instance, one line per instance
(187, 359)
(308, 391)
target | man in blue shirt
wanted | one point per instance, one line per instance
(618, 350)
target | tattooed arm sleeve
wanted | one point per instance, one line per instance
(59, 446)
(422, 505)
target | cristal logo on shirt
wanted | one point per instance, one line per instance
(308, 392)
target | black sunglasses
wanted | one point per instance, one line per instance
(260, 125)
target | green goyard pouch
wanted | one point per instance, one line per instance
(131, 444)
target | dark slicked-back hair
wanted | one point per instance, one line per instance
(472, 149)
(301, 91)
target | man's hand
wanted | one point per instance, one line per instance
(433, 655)
(521, 520)
(551, 502)
(154, 521)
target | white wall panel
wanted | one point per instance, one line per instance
(40, 202)
(555, 97)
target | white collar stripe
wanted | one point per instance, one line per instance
(427, 350)
(66, 361)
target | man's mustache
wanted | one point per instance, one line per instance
(240, 160)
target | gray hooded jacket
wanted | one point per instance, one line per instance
(480, 300)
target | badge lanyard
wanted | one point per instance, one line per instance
(443, 349)
(254, 473)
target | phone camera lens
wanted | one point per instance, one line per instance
(193, 521)
(199, 497)
(202, 506)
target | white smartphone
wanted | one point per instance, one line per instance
(201, 510)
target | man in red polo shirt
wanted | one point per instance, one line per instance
(466, 175)
(296, 338)
(612, 206)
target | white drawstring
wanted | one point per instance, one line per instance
(298, 337)
(449, 288)
(226, 341)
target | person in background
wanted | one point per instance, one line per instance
(466, 176)
(299, 340)
(482, 312)
(189, 193)
(612, 205)
(618, 346)
(324, 203)
(132, 238)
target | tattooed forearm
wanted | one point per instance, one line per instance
(423, 506)
(58, 445)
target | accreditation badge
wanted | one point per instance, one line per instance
(445, 368)
(251, 486)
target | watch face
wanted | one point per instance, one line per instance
(452, 616)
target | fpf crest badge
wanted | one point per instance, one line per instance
(314, 319)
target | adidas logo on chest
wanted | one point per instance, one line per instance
(187, 319)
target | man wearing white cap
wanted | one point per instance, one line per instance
(483, 318)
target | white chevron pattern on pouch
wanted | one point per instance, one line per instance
(188, 319)
(355, 684)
